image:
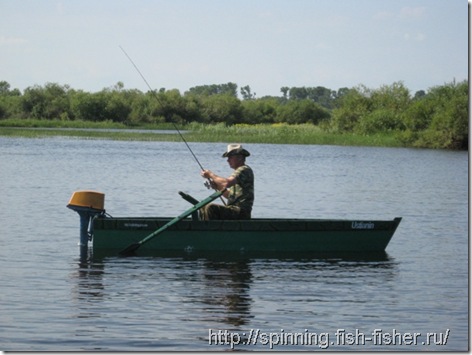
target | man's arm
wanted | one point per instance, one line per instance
(220, 183)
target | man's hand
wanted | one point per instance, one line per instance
(207, 174)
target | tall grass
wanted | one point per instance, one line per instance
(196, 132)
(285, 134)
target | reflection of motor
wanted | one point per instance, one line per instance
(88, 204)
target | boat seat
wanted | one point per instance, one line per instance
(193, 201)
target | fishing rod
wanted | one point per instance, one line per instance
(207, 184)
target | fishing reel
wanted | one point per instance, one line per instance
(210, 184)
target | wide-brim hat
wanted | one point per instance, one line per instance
(235, 149)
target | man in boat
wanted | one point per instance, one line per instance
(239, 187)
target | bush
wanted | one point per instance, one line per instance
(301, 111)
(381, 120)
(353, 105)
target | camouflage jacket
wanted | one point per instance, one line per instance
(242, 194)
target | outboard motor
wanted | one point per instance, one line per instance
(88, 204)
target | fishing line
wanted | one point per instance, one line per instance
(159, 100)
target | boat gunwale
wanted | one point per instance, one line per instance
(255, 224)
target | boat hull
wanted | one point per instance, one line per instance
(248, 236)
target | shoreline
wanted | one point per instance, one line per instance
(269, 134)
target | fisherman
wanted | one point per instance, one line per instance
(240, 187)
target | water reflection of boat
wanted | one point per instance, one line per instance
(190, 235)
(196, 293)
(226, 296)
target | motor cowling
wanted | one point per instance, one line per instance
(88, 204)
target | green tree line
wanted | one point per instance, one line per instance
(437, 118)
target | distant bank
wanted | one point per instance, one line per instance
(244, 133)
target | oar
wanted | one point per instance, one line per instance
(133, 247)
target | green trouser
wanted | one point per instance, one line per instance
(213, 211)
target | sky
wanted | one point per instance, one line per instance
(266, 44)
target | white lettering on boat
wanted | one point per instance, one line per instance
(362, 225)
(136, 225)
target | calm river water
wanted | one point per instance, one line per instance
(52, 299)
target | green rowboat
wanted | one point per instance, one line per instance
(186, 234)
(255, 235)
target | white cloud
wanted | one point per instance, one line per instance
(412, 12)
(416, 37)
(383, 15)
(9, 41)
(60, 8)
(420, 37)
